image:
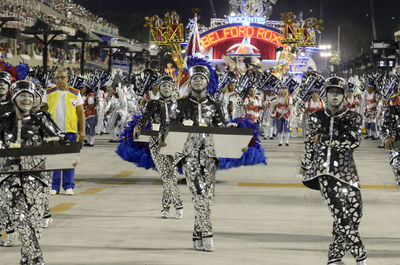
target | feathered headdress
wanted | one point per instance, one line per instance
(19, 72)
(213, 81)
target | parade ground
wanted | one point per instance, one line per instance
(261, 214)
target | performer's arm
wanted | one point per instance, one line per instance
(309, 143)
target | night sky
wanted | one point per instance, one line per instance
(352, 15)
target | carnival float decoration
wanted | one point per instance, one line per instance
(167, 32)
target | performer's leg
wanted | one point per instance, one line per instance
(345, 204)
(163, 165)
(373, 130)
(47, 218)
(287, 130)
(279, 126)
(395, 162)
(23, 215)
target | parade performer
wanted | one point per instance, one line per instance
(114, 110)
(395, 99)
(315, 103)
(269, 101)
(65, 104)
(152, 94)
(89, 106)
(283, 112)
(101, 109)
(47, 121)
(352, 101)
(5, 106)
(199, 157)
(390, 131)
(24, 193)
(5, 83)
(253, 105)
(156, 111)
(328, 166)
(372, 99)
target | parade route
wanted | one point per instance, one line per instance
(261, 214)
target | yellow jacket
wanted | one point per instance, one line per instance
(71, 97)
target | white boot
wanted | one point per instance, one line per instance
(179, 213)
(164, 213)
(287, 135)
(280, 139)
(208, 244)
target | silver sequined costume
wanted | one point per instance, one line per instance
(155, 111)
(391, 128)
(24, 194)
(331, 169)
(199, 158)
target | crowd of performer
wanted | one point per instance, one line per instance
(329, 114)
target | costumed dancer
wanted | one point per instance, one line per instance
(283, 112)
(49, 124)
(315, 103)
(390, 131)
(268, 106)
(5, 106)
(252, 105)
(113, 125)
(199, 157)
(352, 101)
(152, 94)
(101, 109)
(24, 193)
(5, 83)
(328, 166)
(372, 99)
(156, 111)
(91, 118)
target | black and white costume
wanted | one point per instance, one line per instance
(199, 158)
(391, 128)
(156, 111)
(330, 168)
(24, 194)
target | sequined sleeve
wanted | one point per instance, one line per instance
(346, 138)
(148, 111)
(309, 143)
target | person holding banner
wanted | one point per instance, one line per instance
(24, 193)
(199, 157)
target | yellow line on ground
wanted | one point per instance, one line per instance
(379, 187)
(124, 174)
(61, 207)
(116, 183)
(157, 183)
(93, 190)
(295, 185)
